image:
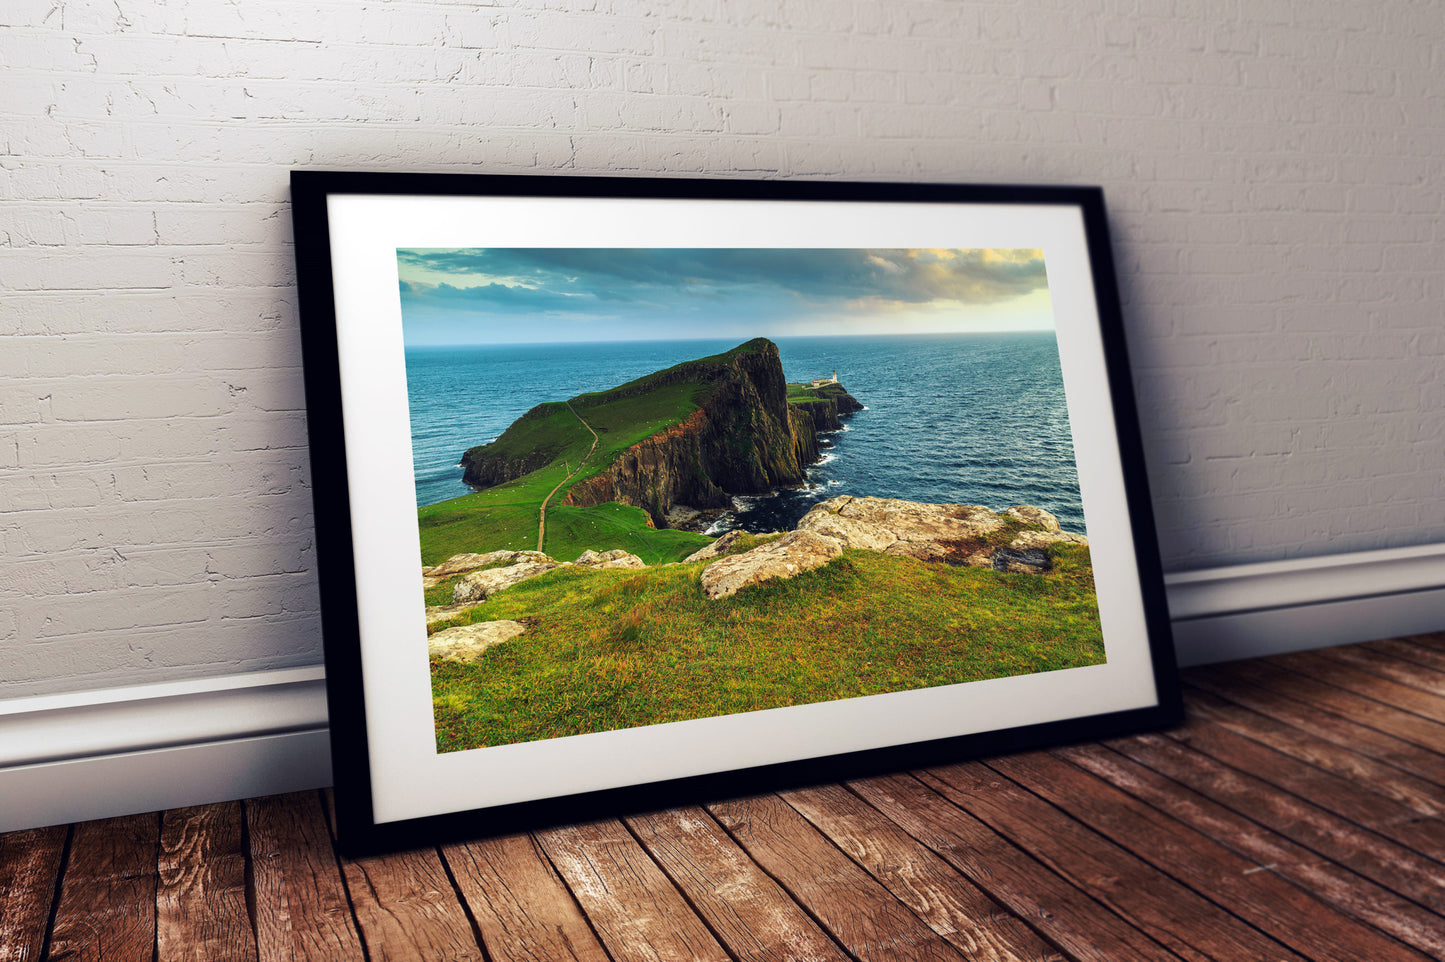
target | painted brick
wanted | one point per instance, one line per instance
(130, 398)
(1270, 170)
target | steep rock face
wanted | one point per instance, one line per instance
(656, 473)
(823, 411)
(846, 402)
(483, 469)
(805, 429)
(745, 439)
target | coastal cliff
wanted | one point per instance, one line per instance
(745, 436)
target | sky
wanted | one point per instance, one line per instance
(539, 295)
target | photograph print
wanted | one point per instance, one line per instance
(662, 484)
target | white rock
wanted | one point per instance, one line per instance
(1042, 539)
(882, 523)
(480, 585)
(615, 558)
(792, 554)
(716, 549)
(462, 563)
(1029, 514)
(466, 644)
(436, 613)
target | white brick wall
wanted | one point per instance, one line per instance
(1273, 171)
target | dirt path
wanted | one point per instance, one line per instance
(542, 518)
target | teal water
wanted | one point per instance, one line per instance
(967, 418)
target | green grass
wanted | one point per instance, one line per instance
(801, 392)
(616, 649)
(505, 516)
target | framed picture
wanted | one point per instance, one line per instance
(630, 492)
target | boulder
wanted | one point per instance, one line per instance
(950, 533)
(931, 532)
(480, 585)
(615, 558)
(1033, 561)
(437, 613)
(462, 563)
(792, 554)
(1029, 514)
(466, 644)
(850, 531)
(715, 550)
(1042, 539)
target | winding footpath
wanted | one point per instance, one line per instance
(542, 519)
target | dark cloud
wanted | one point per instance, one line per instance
(586, 278)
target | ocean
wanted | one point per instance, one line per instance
(962, 418)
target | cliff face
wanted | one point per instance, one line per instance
(745, 438)
(487, 465)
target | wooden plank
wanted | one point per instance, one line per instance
(302, 912)
(406, 908)
(949, 903)
(1392, 865)
(1392, 693)
(635, 910)
(1338, 730)
(1432, 639)
(201, 898)
(1421, 831)
(1411, 650)
(1271, 851)
(29, 870)
(1188, 924)
(1266, 901)
(1347, 704)
(859, 912)
(107, 906)
(405, 905)
(1409, 673)
(1068, 916)
(749, 912)
(520, 905)
(1416, 793)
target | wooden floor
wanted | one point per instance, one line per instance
(1296, 815)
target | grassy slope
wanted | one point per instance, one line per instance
(615, 649)
(801, 392)
(506, 516)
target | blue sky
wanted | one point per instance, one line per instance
(533, 295)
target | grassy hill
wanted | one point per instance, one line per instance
(615, 649)
(505, 516)
(544, 448)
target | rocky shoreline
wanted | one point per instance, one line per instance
(952, 534)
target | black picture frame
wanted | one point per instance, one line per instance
(340, 320)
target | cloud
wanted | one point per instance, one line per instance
(566, 279)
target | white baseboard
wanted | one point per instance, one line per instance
(1248, 611)
(118, 751)
(84, 755)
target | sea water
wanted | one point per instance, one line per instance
(958, 418)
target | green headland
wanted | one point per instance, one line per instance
(611, 466)
(868, 595)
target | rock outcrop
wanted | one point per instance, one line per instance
(744, 438)
(792, 554)
(466, 644)
(715, 550)
(950, 533)
(957, 534)
(462, 563)
(615, 558)
(480, 585)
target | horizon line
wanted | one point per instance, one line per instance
(770, 337)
